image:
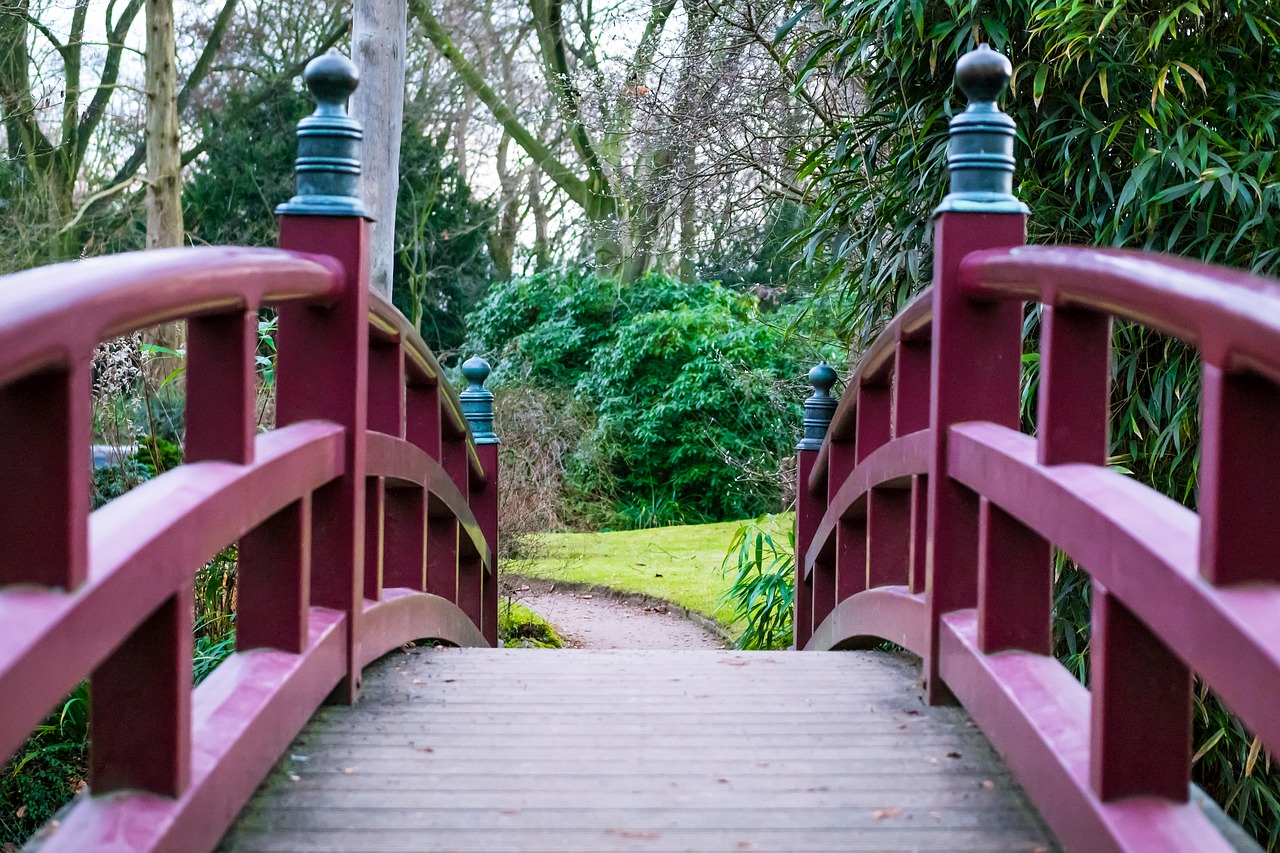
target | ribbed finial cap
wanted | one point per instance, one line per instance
(476, 370)
(328, 163)
(822, 377)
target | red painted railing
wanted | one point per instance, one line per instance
(365, 520)
(929, 520)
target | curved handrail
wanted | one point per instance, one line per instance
(144, 547)
(388, 324)
(912, 323)
(1135, 541)
(888, 465)
(57, 314)
(1232, 317)
(401, 461)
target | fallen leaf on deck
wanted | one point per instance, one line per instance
(881, 814)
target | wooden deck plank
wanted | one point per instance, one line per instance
(566, 751)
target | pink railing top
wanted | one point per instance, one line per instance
(56, 315)
(912, 323)
(1231, 317)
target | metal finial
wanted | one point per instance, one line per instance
(477, 403)
(980, 155)
(819, 407)
(328, 163)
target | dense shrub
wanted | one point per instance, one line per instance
(690, 395)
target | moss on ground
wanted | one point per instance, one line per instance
(519, 627)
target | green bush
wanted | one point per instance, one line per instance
(46, 771)
(696, 393)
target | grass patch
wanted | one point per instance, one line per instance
(521, 628)
(682, 564)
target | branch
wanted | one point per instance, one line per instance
(548, 22)
(201, 69)
(546, 159)
(110, 71)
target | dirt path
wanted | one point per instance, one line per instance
(589, 621)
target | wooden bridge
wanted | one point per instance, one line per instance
(368, 518)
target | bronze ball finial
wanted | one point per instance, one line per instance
(983, 74)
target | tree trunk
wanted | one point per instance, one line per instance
(164, 166)
(378, 39)
(164, 155)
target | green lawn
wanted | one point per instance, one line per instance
(677, 564)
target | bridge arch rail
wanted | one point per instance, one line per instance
(366, 519)
(926, 518)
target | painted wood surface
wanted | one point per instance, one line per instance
(529, 750)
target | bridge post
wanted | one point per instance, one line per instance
(977, 346)
(477, 408)
(815, 595)
(323, 354)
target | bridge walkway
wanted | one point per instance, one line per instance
(576, 750)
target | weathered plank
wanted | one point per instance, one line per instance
(611, 751)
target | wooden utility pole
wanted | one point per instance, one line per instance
(378, 36)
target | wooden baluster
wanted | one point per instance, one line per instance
(470, 570)
(375, 537)
(405, 545)
(273, 582)
(874, 417)
(888, 523)
(323, 353)
(911, 376)
(1015, 584)
(443, 574)
(818, 590)
(221, 410)
(386, 387)
(422, 417)
(888, 537)
(849, 563)
(140, 706)
(424, 429)
(976, 346)
(46, 422)
(1239, 469)
(1140, 734)
(918, 546)
(1015, 565)
(477, 406)
(404, 507)
(911, 373)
